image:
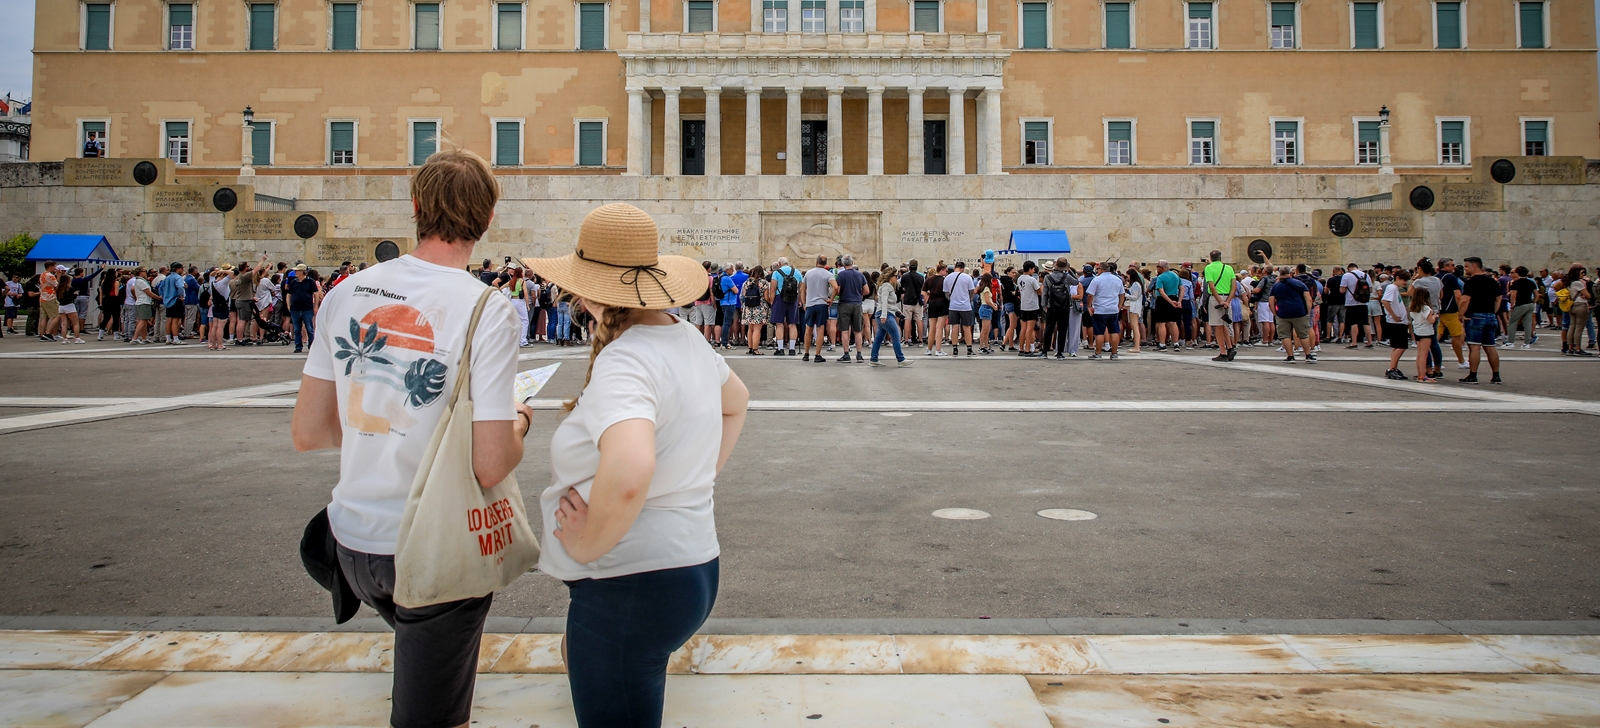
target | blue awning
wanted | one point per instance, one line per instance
(92, 249)
(1039, 241)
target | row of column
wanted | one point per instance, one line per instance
(672, 142)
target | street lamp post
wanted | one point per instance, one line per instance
(1384, 166)
(249, 143)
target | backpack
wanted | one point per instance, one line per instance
(1058, 290)
(788, 287)
(752, 293)
(716, 289)
(1363, 292)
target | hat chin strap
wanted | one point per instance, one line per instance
(631, 275)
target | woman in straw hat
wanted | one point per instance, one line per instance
(628, 523)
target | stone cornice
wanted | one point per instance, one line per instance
(658, 68)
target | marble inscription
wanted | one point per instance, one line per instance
(802, 236)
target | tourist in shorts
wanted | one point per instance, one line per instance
(852, 288)
(1479, 299)
(1423, 318)
(1396, 323)
(704, 313)
(958, 288)
(1291, 303)
(1030, 308)
(1104, 298)
(938, 309)
(912, 310)
(144, 307)
(817, 293)
(786, 298)
(1218, 279)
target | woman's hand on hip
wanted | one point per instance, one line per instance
(572, 520)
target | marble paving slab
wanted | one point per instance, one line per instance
(208, 651)
(1576, 654)
(923, 701)
(1417, 653)
(66, 699)
(998, 655)
(787, 654)
(55, 649)
(528, 653)
(262, 699)
(1320, 701)
(1198, 654)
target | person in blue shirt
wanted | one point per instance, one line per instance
(733, 278)
(171, 290)
(191, 301)
(1291, 302)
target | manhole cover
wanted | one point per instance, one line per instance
(1067, 514)
(960, 514)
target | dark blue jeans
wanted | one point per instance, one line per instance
(888, 327)
(306, 320)
(730, 316)
(620, 633)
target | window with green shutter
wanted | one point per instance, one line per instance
(1202, 142)
(1452, 142)
(774, 16)
(508, 33)
(263, 26)
(591, 26)
(1366, 25)
(852, 16)
(1036, 142)
(1035, 25)
(342, 142)
(1367, 142)
(93, 132)
(591, 143)
(1282, 25)
(344, 26)
(1119, 142)
(1117, 29)
(180, 26)
(1200, 25)
(178, 142)
(1448, 20)
(1286, 142)
(1531, 16)
(1535, 138)
(97, 27)
(424, 141)
(261, 144)
(426, 36)
(925, 16)
(702, 16)
(507, 143)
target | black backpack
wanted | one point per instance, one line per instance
(716, 289)
(788, 287)
(752, 293)
(1058, 288)
(1363, 292)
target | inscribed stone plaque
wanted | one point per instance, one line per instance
(1370, 223)
(329, 252)
(274, 224)
(694, 241)
(197, 198)
(1534, 170)
(802, 236)
(1451, 196)
(1289, 250)
(101, 172)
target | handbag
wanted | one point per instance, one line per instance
(458, 540)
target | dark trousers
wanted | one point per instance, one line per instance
(620, 633)
(306, 320)
(1056, 329)
(435, 647)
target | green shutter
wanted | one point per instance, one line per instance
(1202, 130)
(261, 144)
(344, 26)
(1036, 131)
(181, 129)
(700, 16)
(1536, 131)
(1199, 10)
(1117, 35)
(506, 143)
(590, 143)
(97, 27)
(341, 137)
(1035, 25)
(1532, 24)
(263, 18)
(592, 26)
(1283, 14)
(1366, 131)
(180, 14)
(1119, 131)
(424, 141)
(427, 30)
(1366, 16)
(94, 127)
(510, 31)
(1449, 22)
(1451, 132)
(927, 17)
(1288, 126)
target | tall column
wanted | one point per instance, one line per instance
(672, 135)
(713, 131)
(875, 130)
(791, 147)
(752, 130)
(991, 131)
(983, 15)
(914, 163)
(836, 130)
(956, 149)
(636, 160)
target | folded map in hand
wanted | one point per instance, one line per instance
(530, 382)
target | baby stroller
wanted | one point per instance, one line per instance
(271, 331)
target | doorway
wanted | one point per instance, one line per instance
(933, 147)
(694, 146)
(813, 147)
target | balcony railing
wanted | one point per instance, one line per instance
(823, 42)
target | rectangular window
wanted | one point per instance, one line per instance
(261, 144)
(426, 32)
(1283, 25)
(591, 143)
(925, 18)
(263, 26)
(1365, 16)
(1119, 142)
(775, 16)
(1202, 142)
(94, 132)
(344, 26)
(508, 33)
(852, 16)
(1447, 19)
(424, 141)
(177, 148)
(1036, 142)
(702, 16)
(1286, 142)
(507, 143)
(1452, 142)
(591, 26)
(1535, 138)
(1200, 25)
(1117, 28)
(1035, 25)
(97, 27)
(1531, 17)
(342, 142)
(1367, 143)
(180, 27)
(813, 16)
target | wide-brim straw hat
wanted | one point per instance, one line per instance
(616, 263)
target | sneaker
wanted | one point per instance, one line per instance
(101, 337)
(1580, 352)
(1395, 374)
(858, 357)
(1161, 347)
(1311, 358)
(830, 348)
(1289, 360)
(1463, 365)
(58, 337)
(1533, 340)
(903, 363)
(1095, 355)
(1526, 346)
(846, 358)
(1232, 353)
(875, 363)
(808, 357)
(1113, 356)
(969, 351)
(1061, 356)
(1280, 347)
(1495, 379)
(1220, 357)
(1317, 349)
(297, 350)
(820, 360)
(1469, 379)
(77, 341)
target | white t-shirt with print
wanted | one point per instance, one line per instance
(959, 287)
(670, 376)
(1391, 303)
(1350, 281)
(390, 338)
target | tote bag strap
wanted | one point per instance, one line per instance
(465, 366)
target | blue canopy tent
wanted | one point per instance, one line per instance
(93, 250)
(1039, 241)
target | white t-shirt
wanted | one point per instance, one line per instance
(1391, 303)
(959, 287)
(1105, 288)
(1135, 297)
(1349, 281)
(140, 289)
(393, 390)
(1420, 325)
(1028, 292)
(672, 377)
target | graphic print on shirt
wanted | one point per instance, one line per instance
(388, 355)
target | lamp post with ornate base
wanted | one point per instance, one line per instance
(248, 154)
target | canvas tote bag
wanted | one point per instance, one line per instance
(458, 540)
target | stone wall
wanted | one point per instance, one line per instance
(1106, 216)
